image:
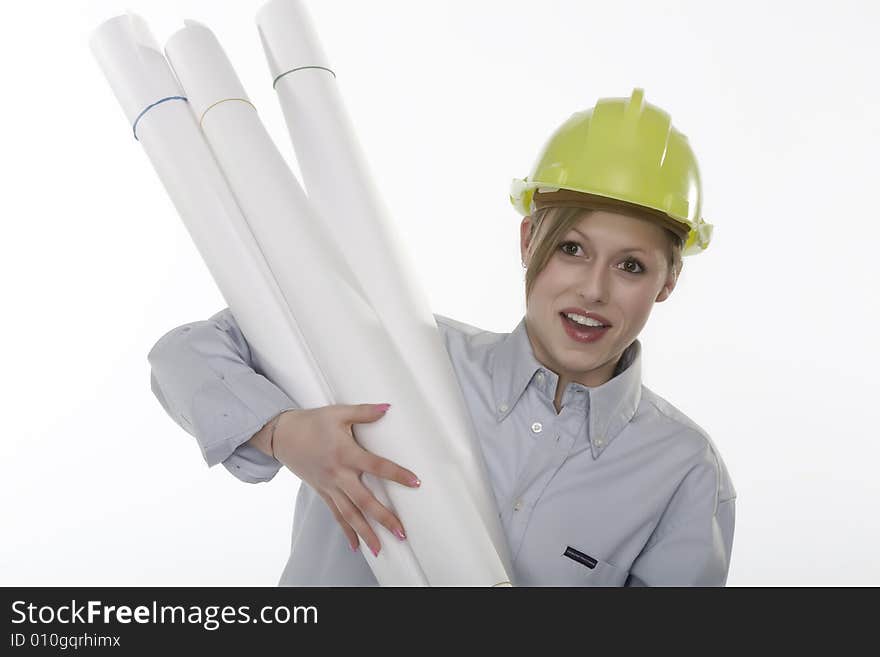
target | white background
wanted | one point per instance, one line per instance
(765, 343)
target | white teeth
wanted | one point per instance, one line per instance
(586, 321)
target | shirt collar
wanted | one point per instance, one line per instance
(609, 407)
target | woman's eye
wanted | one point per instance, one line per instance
(632, 266)
(566, 245)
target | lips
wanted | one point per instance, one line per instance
(580, 333)
(581, 311)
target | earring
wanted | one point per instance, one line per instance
(525, 266)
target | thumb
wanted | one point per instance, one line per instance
(360, 413)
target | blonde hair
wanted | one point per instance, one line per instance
(558, 221)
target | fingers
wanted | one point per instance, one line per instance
(385, 469)
(368, 505)
(352, 515)
(350, 533)
(349, 499)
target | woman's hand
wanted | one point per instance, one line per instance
(318, 446)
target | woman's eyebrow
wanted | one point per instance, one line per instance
(633, 249)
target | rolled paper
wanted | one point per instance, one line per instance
(158, 111)
(139, 73)
(354, 338)
(316, 285)
(341, 191)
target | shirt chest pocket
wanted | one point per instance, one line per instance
(574, 564)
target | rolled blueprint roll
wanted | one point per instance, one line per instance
(163, 123)
(355, 341)
(341, 192)
(320, 288)
(140, 76)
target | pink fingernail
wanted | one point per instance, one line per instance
(383, 407)
(375, 552)
(399, 534)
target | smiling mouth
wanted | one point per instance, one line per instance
(585, 322)
(583, 333)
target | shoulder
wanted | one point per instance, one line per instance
(690, 441)
(455, 331)
(470, 349)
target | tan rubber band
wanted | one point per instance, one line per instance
(244, 100)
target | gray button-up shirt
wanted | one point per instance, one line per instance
(619, 488)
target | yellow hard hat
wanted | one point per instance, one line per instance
(626, 150)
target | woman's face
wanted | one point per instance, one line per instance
(609, 264)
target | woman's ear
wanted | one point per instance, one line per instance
(664, 293)
(525, 229)
(668, 285)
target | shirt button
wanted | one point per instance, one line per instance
(517, 506)
(536, 427)
(598, 442)
(540, 377)
(503, 408)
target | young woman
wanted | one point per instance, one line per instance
(599, 481)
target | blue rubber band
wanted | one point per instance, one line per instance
(148, 108)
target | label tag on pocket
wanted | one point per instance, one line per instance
(580, 557)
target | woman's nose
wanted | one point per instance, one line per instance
(594, 284)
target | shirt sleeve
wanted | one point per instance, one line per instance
(692, 543)
(204, 377)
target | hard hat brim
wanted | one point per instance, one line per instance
(565, 198)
